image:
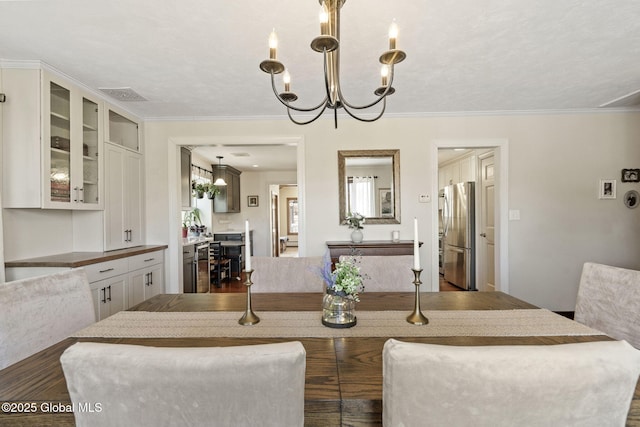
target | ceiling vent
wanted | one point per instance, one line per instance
(123, 94)
(630, 100)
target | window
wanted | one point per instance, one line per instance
(292, 215)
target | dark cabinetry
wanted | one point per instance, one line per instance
(185, 177)
(229, 198)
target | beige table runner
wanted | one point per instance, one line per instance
(299, 324)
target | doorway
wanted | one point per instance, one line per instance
(284, 220)
(486, 164)
(174, 220)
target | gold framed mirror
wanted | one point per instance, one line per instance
(369, 184)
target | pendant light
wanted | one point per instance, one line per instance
(220, 181)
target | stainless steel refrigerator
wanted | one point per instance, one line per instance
(459, 235)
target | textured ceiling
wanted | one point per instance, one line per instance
(199, 59)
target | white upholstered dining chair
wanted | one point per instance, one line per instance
(386, 273)
(285, 274)
(38, 312)
(609, 300)
(580, 384)
(253, 385)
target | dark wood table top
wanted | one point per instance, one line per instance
(343, 377)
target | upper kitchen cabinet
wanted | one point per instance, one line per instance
(228, 201)
(185, 177)
(122, 128)
(52, 142)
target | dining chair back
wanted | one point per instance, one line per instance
(580, 384)
(220, 266)
(609, 300)
(386, 273)
(252, 385)
(286, 274)
(38, 312)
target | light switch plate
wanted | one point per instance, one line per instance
(424, 198)
(514, 215)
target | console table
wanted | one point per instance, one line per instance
(370, 247)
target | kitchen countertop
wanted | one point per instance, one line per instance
(80, 259)
(195, 240)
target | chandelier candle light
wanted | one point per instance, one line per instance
(416, 317)
(328, 43)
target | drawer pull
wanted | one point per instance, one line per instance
(108, 269)
(149, 259)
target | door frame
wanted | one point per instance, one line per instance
(501, 151)
(173, 283)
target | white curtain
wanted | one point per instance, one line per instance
(362, 195)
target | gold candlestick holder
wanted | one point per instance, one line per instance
(249, 317)
(417, 318)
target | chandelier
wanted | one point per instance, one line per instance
(328, 43)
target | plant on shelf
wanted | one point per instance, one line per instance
(211, 190)
(191, 221)
(355, 221)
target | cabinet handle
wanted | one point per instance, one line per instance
(149, 259)
(75, 189)
(81, 190)
(108, 269)
(104, 295)
(151, 278)
(109, 299)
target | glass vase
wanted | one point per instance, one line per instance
(338, 311)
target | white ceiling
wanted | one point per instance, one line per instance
(199, 59)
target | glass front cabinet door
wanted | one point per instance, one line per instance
(72, 124)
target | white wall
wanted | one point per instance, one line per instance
(554, 166)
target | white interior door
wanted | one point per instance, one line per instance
(486, 261)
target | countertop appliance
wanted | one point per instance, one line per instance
(188, 269)
(195, 268)
(202, 268)
(459, 235)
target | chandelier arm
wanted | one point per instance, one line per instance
(384, 106)
(307, 122)
(304, 110)
(363, 107)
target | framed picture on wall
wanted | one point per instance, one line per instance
(607, 189)
(252, 201)
(385, 202)
(630, 175)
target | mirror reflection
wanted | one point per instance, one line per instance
(369, 185)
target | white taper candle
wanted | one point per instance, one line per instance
(247, 237)
(416, 246)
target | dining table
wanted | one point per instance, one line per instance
(343, 367)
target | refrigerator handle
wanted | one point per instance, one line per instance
(447, 216)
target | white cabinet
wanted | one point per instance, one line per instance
(109, 296)
(146, 277)
(121, 128)
(52, 142)
(123, 198)
(462, 169)
(468, 168)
